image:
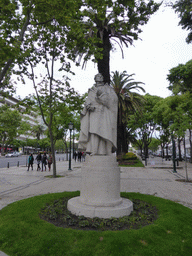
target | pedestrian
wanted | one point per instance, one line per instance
(30, 162)
(44, 161)
(79, 156)
(75, 156)
(83, 156)
(49, 159)
(38, 158)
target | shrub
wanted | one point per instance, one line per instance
(129, 156)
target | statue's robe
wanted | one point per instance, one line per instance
(100, 122)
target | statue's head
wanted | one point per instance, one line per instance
(98, 77)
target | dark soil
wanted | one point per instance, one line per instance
(184, 180)
(56, 213)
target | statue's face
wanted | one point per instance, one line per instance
(99, 78)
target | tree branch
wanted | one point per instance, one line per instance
(10, 61)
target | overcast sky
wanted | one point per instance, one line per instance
(162, 47)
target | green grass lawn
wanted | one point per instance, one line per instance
(22, 232)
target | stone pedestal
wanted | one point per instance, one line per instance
(100, 190)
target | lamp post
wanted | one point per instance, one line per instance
(70, 129)
(173, 148)
(73, 143)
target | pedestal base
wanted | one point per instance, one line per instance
(100, 190)
(77, 208)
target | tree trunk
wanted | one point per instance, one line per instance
(179, 149)
(52, 152)
(20, 39)
(122, 146)
(103, 64)
(124, 141)
(162, 150)
(119, 139)
(186, 172)
(190, 141)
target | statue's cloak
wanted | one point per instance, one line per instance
(102, 121)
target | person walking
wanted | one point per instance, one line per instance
(38, 158)
(75, 156)
(44, 161)
(83, 156)
(79, 156)
(49, 159)
(30, 162)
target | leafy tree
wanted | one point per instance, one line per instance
(143, 123)
(45, 144)
(38, 130)
(20, 21)
(128, 102)
(10, 123)
(185, 108)
(43, 46)
(175, 109)
(162, 125)
(105, 22)
(60, 146)
(154, 144)
(52, 90)
(184, 9)
(180, 78)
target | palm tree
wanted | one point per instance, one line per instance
(128, 102)
(38, 130)
(108, 22)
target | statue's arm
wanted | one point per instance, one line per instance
(88, 107)
(103, 99)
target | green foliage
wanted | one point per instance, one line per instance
(31, 29)
(10, 124)
(131, 163)
(184, 9)
(99, 22)
(128, 102)
(177, 109)
(130, 156)
(22, 24)
(143, 123)
(56, 212)
(44, 143)
(154, 144)
(129, 160)
(180, 78)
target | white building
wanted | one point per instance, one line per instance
(33, 119)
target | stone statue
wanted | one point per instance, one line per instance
(99, 119)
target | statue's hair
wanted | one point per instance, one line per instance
(99, 74)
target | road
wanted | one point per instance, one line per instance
(22, 160)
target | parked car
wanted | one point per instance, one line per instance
(13, 154)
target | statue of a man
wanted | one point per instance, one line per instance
(99, 119)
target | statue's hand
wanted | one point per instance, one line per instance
(90, 108)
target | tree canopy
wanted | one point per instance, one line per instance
(180, 78)
(143, 122)
(22, 21)
(184, 10)
(82, 26)
(129, 100)
(11, 125)
(105, 22)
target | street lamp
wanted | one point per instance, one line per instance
(173, 148)
(70, 129)
(73, 144)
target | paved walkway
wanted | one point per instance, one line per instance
(155, 179)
